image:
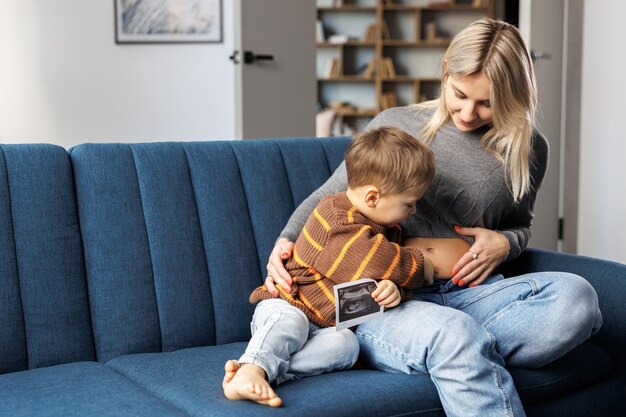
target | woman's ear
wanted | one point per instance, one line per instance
(372, 196)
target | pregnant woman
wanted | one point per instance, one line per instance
(476, 214)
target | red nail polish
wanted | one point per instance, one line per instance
(455, 280)
(461, 283)
(457, 228)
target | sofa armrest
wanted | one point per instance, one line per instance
(608, 278)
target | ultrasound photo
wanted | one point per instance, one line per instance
(354, 303)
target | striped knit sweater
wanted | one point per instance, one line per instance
(339, 244)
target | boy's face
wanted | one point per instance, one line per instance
(391, 209)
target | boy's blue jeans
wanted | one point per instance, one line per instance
(287, 346)
(464, 338)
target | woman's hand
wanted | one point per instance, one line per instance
(276, 272)
(387, 294)
(490, 249)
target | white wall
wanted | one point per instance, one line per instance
(64, 80)
(602, 198)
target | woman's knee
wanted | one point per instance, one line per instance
(571, 310)
(576, 302)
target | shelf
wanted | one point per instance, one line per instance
(457, 8)
(349, 43)
(409, 79)
(412, 8)
(357, 113)
(347, 79)
(361, 79)
(347, 8)
(400, 42)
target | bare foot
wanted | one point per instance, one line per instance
(230, 367)
(248, 383)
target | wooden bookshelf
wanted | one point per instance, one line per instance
(392, 50)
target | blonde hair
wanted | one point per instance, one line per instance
(390, 159)
(497, 50)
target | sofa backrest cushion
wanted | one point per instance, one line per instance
(177, 235)
(44, 311)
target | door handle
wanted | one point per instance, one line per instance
(249, 57)
(537, 55)
(234, 57)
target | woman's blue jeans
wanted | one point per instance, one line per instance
(465, 337)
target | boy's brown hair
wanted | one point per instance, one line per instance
(390, 159)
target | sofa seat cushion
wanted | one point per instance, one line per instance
(78, 389)
(191, 379)
(579, 368)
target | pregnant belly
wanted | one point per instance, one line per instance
(443, 252)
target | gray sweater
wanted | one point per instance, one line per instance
(469, 188)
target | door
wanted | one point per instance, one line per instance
(541, 24)
(275, 68)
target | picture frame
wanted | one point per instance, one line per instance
(354, 303)
(168, 21)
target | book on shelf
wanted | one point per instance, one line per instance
(388, 100)
(431, 31)
(389, 69)
(383, 67)
(480, 3)
(371, 33)
(380, 68)
(369, 70)
(374, 67)
(333, 68)
(319, 31)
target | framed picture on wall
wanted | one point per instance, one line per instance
(165, 21)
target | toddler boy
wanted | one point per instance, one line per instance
(349, 235)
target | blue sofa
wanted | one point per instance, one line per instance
(125, 272)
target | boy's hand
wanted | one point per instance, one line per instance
(387, 294)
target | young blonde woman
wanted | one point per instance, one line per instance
(477, 213)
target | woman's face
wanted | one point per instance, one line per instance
(467, 100)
